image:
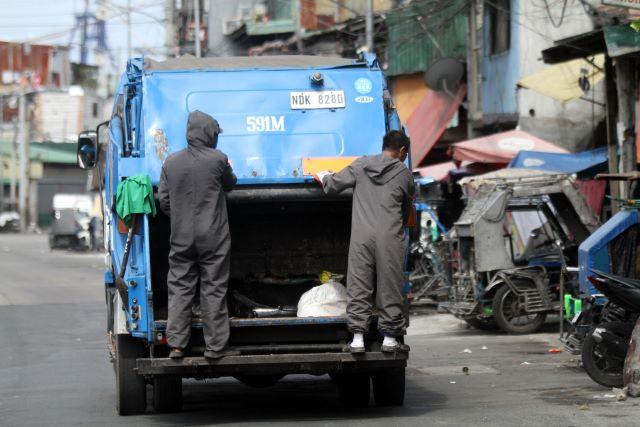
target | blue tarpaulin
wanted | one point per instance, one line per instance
(593, 253)
(586, 161)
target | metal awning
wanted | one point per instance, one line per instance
(580, 46)
(614, 40)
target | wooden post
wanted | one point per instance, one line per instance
(612, 138)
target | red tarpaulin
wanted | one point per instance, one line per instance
(438, 171)
(430, 119)
(593, 191)
(501, 147)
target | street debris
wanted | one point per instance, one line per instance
(466, 350)
(465, 370)
(452, 382)
(554, 350)
(584, 407)
(484, 347)
(621, 393)
(525, 363)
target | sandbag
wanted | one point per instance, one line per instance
(328, 299)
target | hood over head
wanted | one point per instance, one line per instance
(202, 130)
(382, 168)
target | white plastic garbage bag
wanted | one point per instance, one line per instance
(328, 299)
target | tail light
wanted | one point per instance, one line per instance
(597, 282)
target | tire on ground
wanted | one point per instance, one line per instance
(131, 392)
(167, 393)
(482, 324)
(503, 322)
(354, 390)
(388, 387)
(589, 346)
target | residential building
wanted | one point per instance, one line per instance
(241, 27)
(52, 170)
(512, 35)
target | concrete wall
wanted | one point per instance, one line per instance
(569, 125)
(59, 116)
(219, 12)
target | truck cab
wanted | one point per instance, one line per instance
(284, 118)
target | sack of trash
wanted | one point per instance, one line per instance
(328, 299)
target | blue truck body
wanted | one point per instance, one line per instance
(267, 137)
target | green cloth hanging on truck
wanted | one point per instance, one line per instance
(135, 196)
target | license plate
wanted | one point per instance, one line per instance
(317, 99)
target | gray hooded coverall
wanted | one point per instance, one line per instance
(383, 190)
(191, 193)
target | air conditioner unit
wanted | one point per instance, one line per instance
(229, 26)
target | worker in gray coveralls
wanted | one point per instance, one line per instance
(383, 191)
(191, 193)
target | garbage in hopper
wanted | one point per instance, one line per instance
(328, 299)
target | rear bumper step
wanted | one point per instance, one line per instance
(312, 363)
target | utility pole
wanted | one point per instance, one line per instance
(612, 138)
(84, 34)
(128, 29)
(196, 16)
(23, 189)
(298, 18)
(473, 78)
(169, 28)
(369, 25)
(13, 161)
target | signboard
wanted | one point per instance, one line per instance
(634, 4)
(621, 40)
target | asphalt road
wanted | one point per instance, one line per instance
(54, 368)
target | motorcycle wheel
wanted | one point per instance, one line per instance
(601, 365)
(482, 324)
(511, 316)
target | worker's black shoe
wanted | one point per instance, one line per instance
(353, 350)
(215, 355)
(176, 353)
(398, 347)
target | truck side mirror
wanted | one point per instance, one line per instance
(87, 149)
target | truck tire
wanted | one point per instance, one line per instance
(131, 391)
(506, 307)
(167, 393)
(388, 387)
(354, 390)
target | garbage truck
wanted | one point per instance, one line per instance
(284, 118)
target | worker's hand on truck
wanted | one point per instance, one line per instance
(319, 176)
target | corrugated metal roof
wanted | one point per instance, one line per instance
(189, 62)
(46, 152)
(425, 31)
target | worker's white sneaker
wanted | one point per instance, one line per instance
(390, 344)
(357, 344)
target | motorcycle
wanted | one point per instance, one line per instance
(605, 345)
(428, 277)
(9, 221)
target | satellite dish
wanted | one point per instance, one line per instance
(445, 75)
